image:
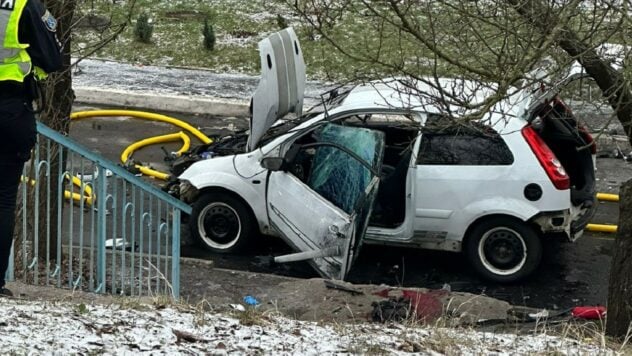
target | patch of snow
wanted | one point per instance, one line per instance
(28, 327)
(261, 16)
(230, 40)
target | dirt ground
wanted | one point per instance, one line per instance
(312, 299)
(303, 299)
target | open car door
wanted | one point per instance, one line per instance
(325, 213)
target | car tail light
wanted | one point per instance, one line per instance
(547, 159)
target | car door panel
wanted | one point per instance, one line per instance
(325, 214)
(307, 222)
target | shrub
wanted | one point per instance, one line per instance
(144, 29)
(209, 35)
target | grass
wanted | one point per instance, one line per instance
(250, 317)
(177, 38)
(240, 25)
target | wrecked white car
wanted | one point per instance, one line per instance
(374, 157)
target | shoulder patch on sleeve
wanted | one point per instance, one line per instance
(7, 4)
(49, 21)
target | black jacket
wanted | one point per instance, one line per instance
(38, 28)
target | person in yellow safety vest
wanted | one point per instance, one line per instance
(30, 49)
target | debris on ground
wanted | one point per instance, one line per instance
(589, 312)
(251, 301)
(343, 286)
(423, 306)
(339, 304)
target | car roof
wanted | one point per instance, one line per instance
(506, 116)
(442, 96)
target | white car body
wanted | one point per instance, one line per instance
(442, 202)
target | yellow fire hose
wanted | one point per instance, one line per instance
(129, 151)
(608, 197)
(612, 229)
(143, 116)
(88, 196)
(148, 141)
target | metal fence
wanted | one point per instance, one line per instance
(85, 223)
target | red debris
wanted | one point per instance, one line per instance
(589, 312)
(426, 306)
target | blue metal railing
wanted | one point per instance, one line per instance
(112, 231)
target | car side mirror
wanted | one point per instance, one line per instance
(273, 164)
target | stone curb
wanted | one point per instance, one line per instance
(172, 103)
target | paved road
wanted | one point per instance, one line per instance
(571, 274)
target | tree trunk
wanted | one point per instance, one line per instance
(58, 98)
(619, 94)
(620, 284)
(59, 95)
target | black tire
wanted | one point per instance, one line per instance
(222, 223)
(503, 249)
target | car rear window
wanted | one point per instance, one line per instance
(472, 144)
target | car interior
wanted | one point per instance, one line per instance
(400, 133)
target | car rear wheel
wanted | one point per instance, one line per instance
(503, 249)
(221, 223)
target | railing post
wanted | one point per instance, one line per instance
(175, 253)
(101, 228)
(10, 275)
(36, 210)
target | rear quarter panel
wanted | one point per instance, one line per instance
(451, 198)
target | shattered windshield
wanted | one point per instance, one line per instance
(336, 175)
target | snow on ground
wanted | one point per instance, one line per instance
(42, 327)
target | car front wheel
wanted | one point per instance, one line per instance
(503, 249)
(221, 223)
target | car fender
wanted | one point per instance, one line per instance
(252, 191)
(494, 206)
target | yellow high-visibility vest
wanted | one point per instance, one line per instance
(15, 63)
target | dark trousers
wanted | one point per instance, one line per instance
(17, 137)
